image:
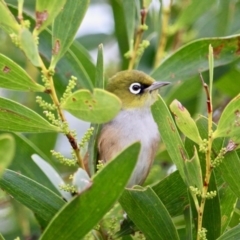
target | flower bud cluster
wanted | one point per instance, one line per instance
(71, 85)
(203, 146)
(68, 188)
(45, 81)
(100, 165)
(217, 161)
(26, 23)
(15, 39)
(142, 46)
(86, 137)
(196, 191)
(51, 117)
(63, 160)
(203, 234)
(45, 105)
(210, 195)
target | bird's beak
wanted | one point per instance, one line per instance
(156, 85)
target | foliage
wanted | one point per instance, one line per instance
(193, 44)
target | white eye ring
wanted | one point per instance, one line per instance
(135, 88)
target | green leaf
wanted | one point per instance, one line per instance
(52, 175)
(231, 88)
(229, 122)
(23, 163)
(97, 107)
(120, 30)
(170, 135)
(193, 58)
(33, 195)
(1, 237)
(18, 118)
(149, 214)
(99, 83)
(14, 77)
(232, 234)
(194, 171)
(129, 10)
(173, 193)
(7, 150)
(65, 31)
(212, 212)
(228, 201)
(184, 121)
(84, 57)
(76, 61)
(193, 11)
(81, 214)
(99, 76)
(29, 46)
(7, 22)
(46, 11)
(189, 223)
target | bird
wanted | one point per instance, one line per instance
(137, 92)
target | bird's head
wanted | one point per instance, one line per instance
(134, 88)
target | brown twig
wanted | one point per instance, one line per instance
(53, 95)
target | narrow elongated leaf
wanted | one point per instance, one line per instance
(194, 10)
(84, 57)
(81, 214)
(129, 10)
(212, 213)
(46, 11)
(64, 31)
(29, 46)
(1, 237)
(12, 76)
(7, 22)
(120, 30)
(228, 201)
(99, 83)
(188, 216)
(229, 122)
(232, 234)
(36, 197)
(18, 118)
(170, 135)
(184, 121)
(76, 62)
(147, 211)
(173, 193)
(194, 58)
(52, 175)
(97, 107)
(23, 163)
(99, 77)
(7, 150)
(194, 171)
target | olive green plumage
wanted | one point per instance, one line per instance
(134, 122)
(119, 85)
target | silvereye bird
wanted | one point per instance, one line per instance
(134, 122)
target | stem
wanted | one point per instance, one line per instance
(20, 11)
(208, 158)
(138, 39)
(53, 95)
(163, 35)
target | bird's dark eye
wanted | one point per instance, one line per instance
(135, 88)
